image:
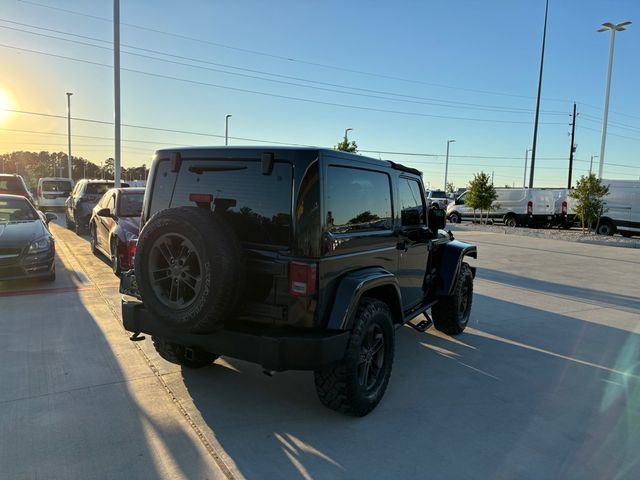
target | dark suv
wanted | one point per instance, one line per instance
(295, 259)
(84, 196)
(11, 184)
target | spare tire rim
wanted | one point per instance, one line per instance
(371, 358)
(175, 270)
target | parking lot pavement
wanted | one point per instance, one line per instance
(545, 383)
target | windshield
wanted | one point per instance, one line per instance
(131, 204)
(16, 210)
(100, 188)
(56, 186)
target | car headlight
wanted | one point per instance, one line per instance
(40, 245)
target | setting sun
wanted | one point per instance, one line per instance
(6, 103)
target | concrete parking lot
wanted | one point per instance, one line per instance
(545, 383)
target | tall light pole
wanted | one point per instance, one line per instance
(446, 165)
(591, 163)
(116, 88)
(69, 132)
(613, 28)
(535, 122)
(526, 158)
(226, 128)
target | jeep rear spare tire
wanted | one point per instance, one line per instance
(189, 268)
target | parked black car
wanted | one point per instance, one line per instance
(11, 184)
(300, 259)
(27, 248)
(79, 205)
(114, 226)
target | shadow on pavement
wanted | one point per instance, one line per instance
(479, 405)
(77, 400)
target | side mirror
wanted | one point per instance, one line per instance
(437, 219)
(50, 216)
(104, 212)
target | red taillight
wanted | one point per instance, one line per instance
(564, 208)
(131, 250)
(530, 208)
(302, 279)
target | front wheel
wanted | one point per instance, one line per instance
(451, 314)
(455, 217)
(93, 242)
(70, 224)
(115, 259)
(190, 357)
(357, 384)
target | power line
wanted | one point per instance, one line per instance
(274, 95)
(286, 58)
(380, 94)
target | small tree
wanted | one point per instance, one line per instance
(346, 146)
(481, 194)
(589, 194)
(450, 188)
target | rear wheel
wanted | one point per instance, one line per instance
(190, 269)
(510, 221)
(115, 258)
(451, 314)
(606, 228)
(356, 385)
(190, 357)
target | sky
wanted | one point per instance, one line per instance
(406, 76)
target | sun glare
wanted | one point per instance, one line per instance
(6, 103)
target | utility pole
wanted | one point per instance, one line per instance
(535, 123)
(526, 158)
(573, 145)
(116, 85)
(69, 133)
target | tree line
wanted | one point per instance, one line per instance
(34, 165)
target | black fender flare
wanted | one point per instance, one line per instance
(451, 259)
(354, 286)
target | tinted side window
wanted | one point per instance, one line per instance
(357, 200)
(411, 202)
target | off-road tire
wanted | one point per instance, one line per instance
(338, 388)
(222, 269)
(176, 353)
(449, 314)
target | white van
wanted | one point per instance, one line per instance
(514, 206)
(621, 212)
(52, 192)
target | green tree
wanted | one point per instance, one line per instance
(589, 196)
(347, 146)
(481, 194)
(450, 188)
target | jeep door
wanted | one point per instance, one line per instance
(412, 245)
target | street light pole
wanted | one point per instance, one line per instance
(526, 158)
(69, 133)
(613, 28)
(446, 165)
(116, 84)
(226, 128)
(591, 163)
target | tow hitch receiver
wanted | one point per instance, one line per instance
(422, 325)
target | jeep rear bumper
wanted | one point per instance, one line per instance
(273, 349)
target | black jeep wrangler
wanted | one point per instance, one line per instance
(295, 259)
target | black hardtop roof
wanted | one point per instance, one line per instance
(257, 150)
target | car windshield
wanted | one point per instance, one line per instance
(10, 184)
(131, 204)
(16, 210)
(56, 186)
